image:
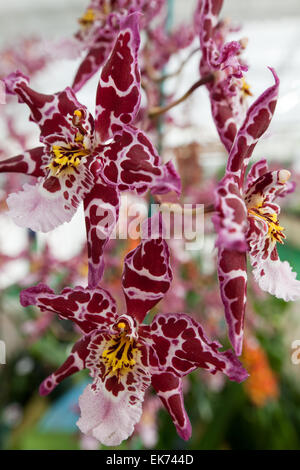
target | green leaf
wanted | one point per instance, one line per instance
(34, 440)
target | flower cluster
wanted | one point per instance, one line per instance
(87, 159)
(93, 159)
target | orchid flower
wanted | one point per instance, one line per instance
(2, 93)
(161, 44)
(88, 159)
(125, 356)
(229, 88)
(246, 220)
(99, 27)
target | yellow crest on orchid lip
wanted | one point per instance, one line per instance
(259, 210)
(67, 157)
(120, 354)
(275, 231)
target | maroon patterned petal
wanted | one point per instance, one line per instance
(170, 181)
(169, 389)
(256, 170)
(118, 94)
(132, 163)
(53, 113)
(88, 309)
(226, 104)
(228, 113)
(232, 272)
(146, 277)
(181, 346)
(257, 121)
(207, 13)
(267, 187)
(101, 208)
(74, 363)
(30, 163)
(91, 63)
(230, 219)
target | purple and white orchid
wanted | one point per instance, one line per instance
(88, 159)
(228, 90)
(100, 25)
(125, 356)
(246, 220)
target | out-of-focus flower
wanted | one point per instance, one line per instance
(28, 55)
(261, 385)
(12, 414)
(162, 44)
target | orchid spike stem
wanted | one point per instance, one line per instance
(157, 111)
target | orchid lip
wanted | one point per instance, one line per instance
(120, 353)
(66, 158)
